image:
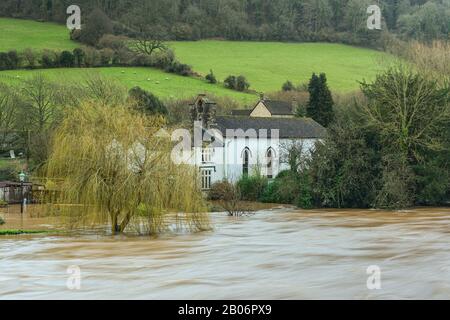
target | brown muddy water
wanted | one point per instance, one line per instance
(275, 254)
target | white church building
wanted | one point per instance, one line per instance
(235, 145)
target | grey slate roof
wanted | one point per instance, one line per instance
(289, 128)
(246, 112)
(278, 108)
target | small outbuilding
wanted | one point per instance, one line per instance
(11, 192)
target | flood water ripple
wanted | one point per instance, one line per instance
(274, 254)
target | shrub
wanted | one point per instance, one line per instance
(230, 82)
(66, 59)
(211, 78)
(9, 60)
(106, 56)
(30, 58)
(288, 86)
(4, 61)
(222, 190)
(14, 59)
(78, 55)
(8, 173)
(163, 59)
(229, 197)
(305, 197)
(242, 84)
(2, 221)
(179, 68)
(146, 102)
(112, 42)
(236, 83)
(252, 187)
(49, 59)
(284, 189)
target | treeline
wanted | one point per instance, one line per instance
(282, 20)
(110, 51)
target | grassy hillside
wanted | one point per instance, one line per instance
(267, 65)
(21, 34)
(162, 84)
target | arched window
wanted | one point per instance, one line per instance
(246, 162)
(270, 155)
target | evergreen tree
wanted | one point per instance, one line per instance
(320, 104)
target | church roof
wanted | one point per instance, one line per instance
(244, 112)
(278, 108)
(289, 128)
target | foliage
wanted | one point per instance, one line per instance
(283, 189)
(114, 168)
(408, 110)
(433, 58)
(229, 197)
(242, 84)
(239, 83)
(39, 115)
(98, 24)
(146, 102)
(9, 60)
(345, 170)
(66, 59)
(149, 40)
(230, 82)
(2, 221)
(211, 78)
(320, 104)
(179, 68)
(433, 183)
(288, 86)
(293, 20)
(252, 186)
(392, 150)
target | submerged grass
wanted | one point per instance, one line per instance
(15, 232)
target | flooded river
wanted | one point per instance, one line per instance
(275, 254)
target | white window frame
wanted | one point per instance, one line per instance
(206, 176)
(207, 154)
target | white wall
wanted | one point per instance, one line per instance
(228, 161)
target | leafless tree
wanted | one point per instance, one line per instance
(149, 40)
(296, 154)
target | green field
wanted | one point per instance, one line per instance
(162, 84)
(18, 35)
(267, 65)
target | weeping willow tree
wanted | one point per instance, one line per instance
(111, 166)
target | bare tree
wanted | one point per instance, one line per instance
(8, 112)
(296, 154)
(149, 40)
